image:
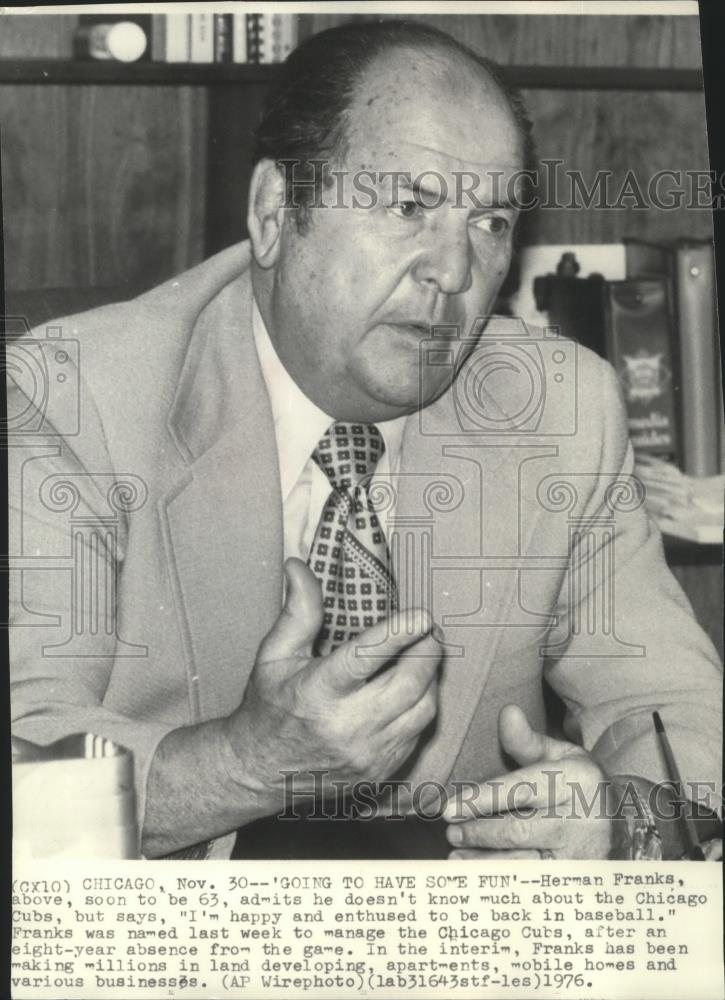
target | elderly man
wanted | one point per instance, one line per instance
(270, 616)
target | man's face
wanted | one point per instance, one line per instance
(354, 295)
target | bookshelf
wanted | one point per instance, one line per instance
(78, 72)
(74, 71)
(606, 91)
(234, 95)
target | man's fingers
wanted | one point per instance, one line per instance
(538, 786)
(412, 721)
(504, 833)
(350, 666)
(299, 620)
(400, 687)
(517, 738)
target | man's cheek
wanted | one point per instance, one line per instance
(433, 382)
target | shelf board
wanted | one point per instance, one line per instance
(72, 71)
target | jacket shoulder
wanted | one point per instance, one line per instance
(123, 359)
(156, 319)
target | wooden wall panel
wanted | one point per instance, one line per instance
(560, 40)
(106, 185)
(103, 186)
(233, 115)
(618, 131)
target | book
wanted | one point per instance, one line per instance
(159, 25)
(201, 38)
(178, 38)
(290, 35)
(277, 37)
(222, 38)
(239, 38)
(688, 267)
(265, 52)
(254, 37)
(639, 344)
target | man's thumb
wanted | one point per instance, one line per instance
(518, 739)
(299, 620)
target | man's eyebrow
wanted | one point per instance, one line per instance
(402, 181)
(456, 189)
(503, 204)
(434, 193)
(460, 193)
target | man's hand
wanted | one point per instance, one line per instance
(539, 810)
(332, 713)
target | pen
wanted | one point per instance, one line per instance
(695, 851)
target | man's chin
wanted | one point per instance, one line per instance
(389, 382)
(400, 398)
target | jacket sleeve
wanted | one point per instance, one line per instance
(68, 521)
(650, 653)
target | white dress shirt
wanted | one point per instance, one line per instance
(298, 425)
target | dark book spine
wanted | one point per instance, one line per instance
(222, 38)
(159, 25)
(254, 31)
(640, 346)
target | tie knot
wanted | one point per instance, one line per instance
(348, 452)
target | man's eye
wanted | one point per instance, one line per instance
(497, 225)
(405, 209)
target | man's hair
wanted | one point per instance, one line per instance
(304, 116)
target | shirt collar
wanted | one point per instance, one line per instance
(298, 422)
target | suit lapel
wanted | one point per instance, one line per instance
(223, 518)
(472, 513)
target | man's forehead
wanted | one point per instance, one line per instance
(447, 118)
(395, 155)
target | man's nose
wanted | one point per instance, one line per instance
(445, 264)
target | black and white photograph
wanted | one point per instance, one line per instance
(365, 456)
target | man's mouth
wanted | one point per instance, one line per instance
(412, 327)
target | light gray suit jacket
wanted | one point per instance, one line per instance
(139, 608)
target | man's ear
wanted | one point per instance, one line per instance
(266, 212)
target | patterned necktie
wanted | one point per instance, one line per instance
(349, 554)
